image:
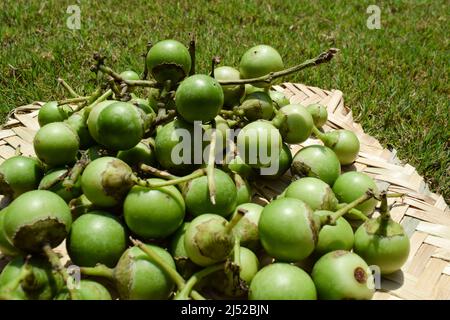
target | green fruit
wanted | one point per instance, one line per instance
(342, 275)
(196, 195)
(383, 243)
(259, 61)
(42, 283)
(129, 75)
(19, 174)
(294, 122)
(142, 153)
(249, 89)
(352, 185)
(344, 143)
(288, 229)
(106, 181)
(243, 189)
(257, 105)
(144, 105)
(168, 141)
(56, 144)
(93, 117)
(168, 60)
(238, 166)
(199, 98)
(314, 192)
(96, 237)
(77, 122)
(247, 228)
(58, 187)
(184, 266)
(6, 247)
(137, 277)
(87, 290)
(282, 281)
(334, 237)
(36, 218)
(118, 126)
(317, 161)
(284, 163)
(319, 114)
(51, 112)
(259, 144)
(207, 239)
(279, 99)
(154, 213)
(232, 94)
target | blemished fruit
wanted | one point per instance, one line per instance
(294, 122)
(37, 218)
(19, 174)
(168, 60)
(314, 192)
(340, 275)
(317, 161)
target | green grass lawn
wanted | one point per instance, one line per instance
(395, 79)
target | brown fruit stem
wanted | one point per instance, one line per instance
(69, 89)
(58, 267)
(51, 183)
(130, 83)
(192, 53)
(195, 278)
(145, 72)
(214, 62)
(268, 78)
(153, 185)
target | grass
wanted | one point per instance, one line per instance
(395, 79)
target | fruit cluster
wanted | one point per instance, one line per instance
(149, 210)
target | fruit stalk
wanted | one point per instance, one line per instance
(131, 83)
(157, 173)
(195, 278)
(232, 223)
(69, 89)
(331, 219)
(72, 100)
(145, 72)
(268, 78)
(214, 62)
(58, 267)
(75, 172)
(154, 185)
(192, 53)
(99, 270)
(103, 97)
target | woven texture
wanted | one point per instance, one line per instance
(424, 215)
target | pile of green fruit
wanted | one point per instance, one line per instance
(140, 224)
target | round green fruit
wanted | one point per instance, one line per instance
(199, 98)
(51, 112)
(282, 281)
(56, 144)
(154, 213)
(232, 94)
(19, 174)
(314, 192)
(96, 237)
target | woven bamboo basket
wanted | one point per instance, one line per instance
(424, 215)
